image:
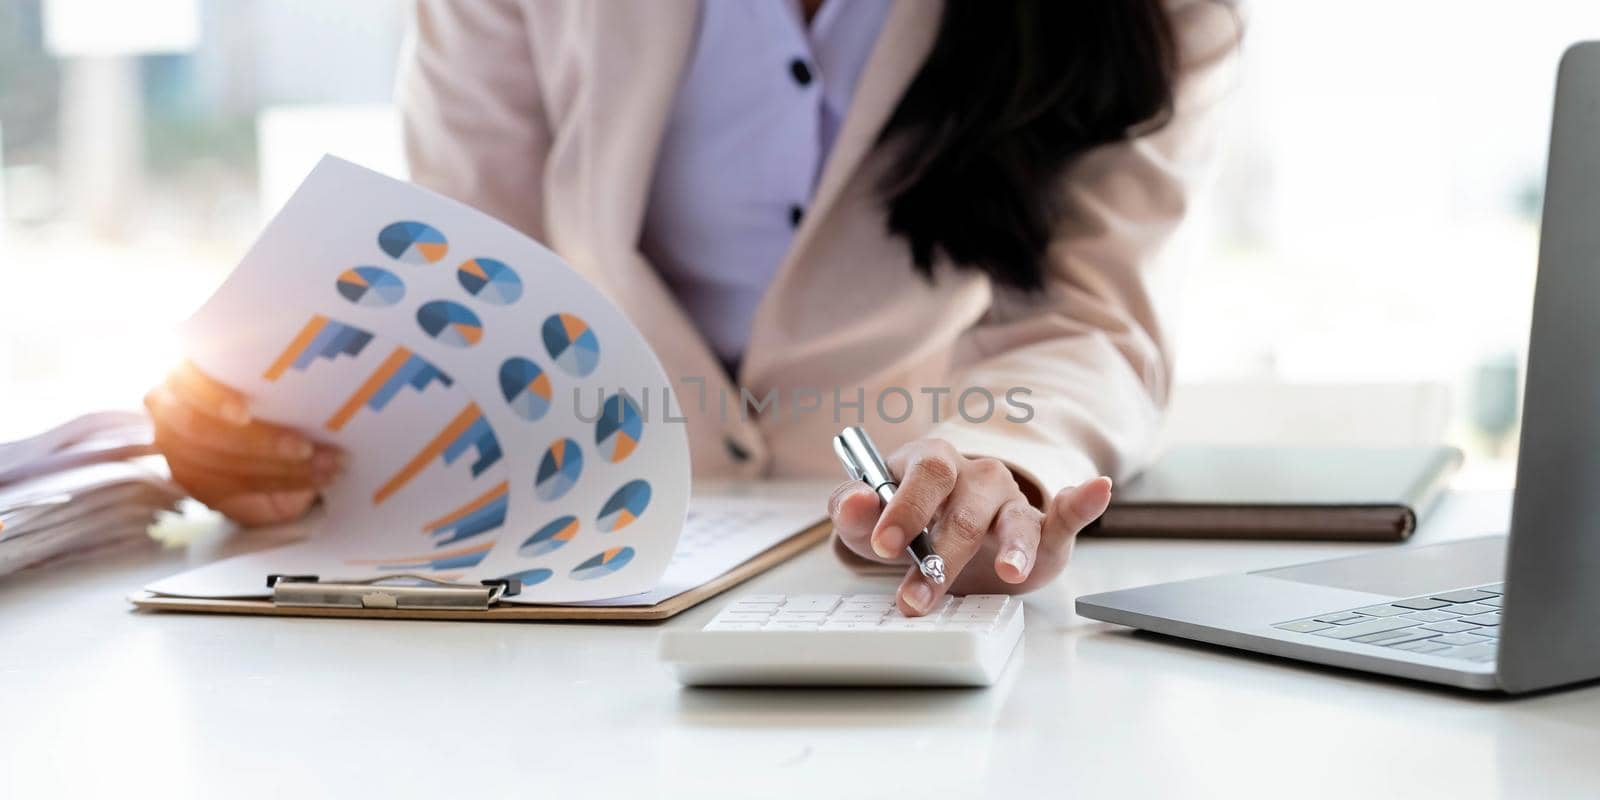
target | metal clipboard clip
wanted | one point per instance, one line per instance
(416, 592)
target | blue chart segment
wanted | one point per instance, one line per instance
(530, 577)
(526, 388)
(549, 538)
(484, 513)
(603, 564)
(490, 281)
(558, 470)
(401, 369)
(627, 505)
(619, 428)
(480, 438)
(450, 323)
(571, 344)
(460, 558)
(320, 338)
(468, 431)
(413, 242)
(374, 287)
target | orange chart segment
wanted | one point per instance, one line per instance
(296, 346)
(320, 338)
(463, 557)
(401, 369)
(469, 430)
(484, 513)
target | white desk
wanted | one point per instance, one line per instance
(96, 699)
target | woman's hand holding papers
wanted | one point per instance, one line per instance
(253, 472)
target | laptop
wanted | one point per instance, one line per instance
(1510, 613)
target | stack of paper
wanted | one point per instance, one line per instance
(67, 492)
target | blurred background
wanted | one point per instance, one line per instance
(1362, 271)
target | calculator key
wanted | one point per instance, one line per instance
(855, 616)
(967, 626)
(761, 598)
(1492, 601)
(1496, 588)
(887, 599)
(1468, 609)
(792, 626)
(908, 625)
(973, 616)
(811, 602)
(1493, 632)
(1382, 611)
(1461, 638)
(1463, 596)
(848, 608)
(1492, 618)
(975, 602)
(799, 616)
(742, 616)
(1303, 626)
(1420, 603)
(734, 626)
(849, 626)
(748, 607)
(1450, 626)
(1430, 616)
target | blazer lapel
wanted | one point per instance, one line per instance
(634, 61)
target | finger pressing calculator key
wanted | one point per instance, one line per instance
(847, 640)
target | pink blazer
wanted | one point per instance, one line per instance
(548, 114)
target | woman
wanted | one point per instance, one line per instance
(939, 226)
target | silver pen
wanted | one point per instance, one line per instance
(861, 460)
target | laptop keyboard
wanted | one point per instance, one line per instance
(1461, 624)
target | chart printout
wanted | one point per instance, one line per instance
(487, 396)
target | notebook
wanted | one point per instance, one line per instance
(1308, 493)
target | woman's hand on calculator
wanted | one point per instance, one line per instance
(991, 537)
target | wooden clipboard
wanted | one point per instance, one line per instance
(509, 612)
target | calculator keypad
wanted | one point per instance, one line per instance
(857, 612)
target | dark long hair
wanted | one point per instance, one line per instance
(1011, 93)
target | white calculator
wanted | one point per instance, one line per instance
(847, 640)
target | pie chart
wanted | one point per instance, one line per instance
(525, 387)
(490, 281)
(571, 344)
(624, 507)
(619, 428)
(530, 577)
(558, 470)
(450, 323)
(603, 564)
(413, 242)
(549, 538)
(375, 287)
